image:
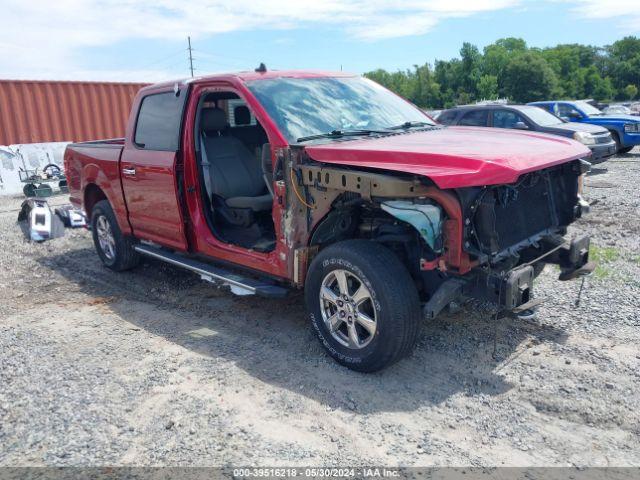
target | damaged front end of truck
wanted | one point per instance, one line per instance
(485, 242)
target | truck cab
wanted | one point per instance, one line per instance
(625, 129)
(271, 181)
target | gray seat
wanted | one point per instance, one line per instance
(234, 173)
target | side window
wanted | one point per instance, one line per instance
(506, 119)
(567, 111)
(475, 118)
(158, 125)
(447, 117)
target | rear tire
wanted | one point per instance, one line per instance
(380, 304)
(114, 249)
(625, 150)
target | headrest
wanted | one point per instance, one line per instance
(242, 115)
(213, 119)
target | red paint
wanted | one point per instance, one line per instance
(98, 167)
(455, 157)
(153, 209)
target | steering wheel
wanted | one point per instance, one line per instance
(52, 170)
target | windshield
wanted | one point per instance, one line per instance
(588, 109)
(302, 107)
(541, 117)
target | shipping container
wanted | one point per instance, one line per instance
(63, 111)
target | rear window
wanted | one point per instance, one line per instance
(158, 126)
(475, 118)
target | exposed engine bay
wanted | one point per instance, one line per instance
(487, 242)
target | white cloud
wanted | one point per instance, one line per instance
(625, 12)
(41, 38)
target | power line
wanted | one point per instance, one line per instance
(162, 61)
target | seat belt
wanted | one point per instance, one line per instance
(205, 168)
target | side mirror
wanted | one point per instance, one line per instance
(575, 116)
(521, 126)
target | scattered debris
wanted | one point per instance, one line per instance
(71, 217)
(37, 221)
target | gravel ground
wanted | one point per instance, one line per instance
(155, 367)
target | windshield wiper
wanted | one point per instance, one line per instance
(340, 134)
(412, 124)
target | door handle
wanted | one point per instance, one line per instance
(128, 171)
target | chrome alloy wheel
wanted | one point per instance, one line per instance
(347, 309)
(105, 238)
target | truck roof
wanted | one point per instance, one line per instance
(250, 75)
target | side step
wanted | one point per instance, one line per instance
(239, 285)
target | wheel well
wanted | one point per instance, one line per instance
(365, 221)
(92, 195)
(615, 134)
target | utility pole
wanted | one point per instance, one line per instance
(190, 56)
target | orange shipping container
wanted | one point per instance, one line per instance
(50, 111)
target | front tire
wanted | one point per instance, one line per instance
(363, 305)
(114, 249)
(625, 150)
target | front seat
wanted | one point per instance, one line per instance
(232, 173)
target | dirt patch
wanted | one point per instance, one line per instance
(155, 367)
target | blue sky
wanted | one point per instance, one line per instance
(145, 40)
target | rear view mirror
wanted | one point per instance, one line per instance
(521, 126)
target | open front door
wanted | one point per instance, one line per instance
(149, 170)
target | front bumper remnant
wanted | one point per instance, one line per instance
(512, 290)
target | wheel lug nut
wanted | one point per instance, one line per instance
(342, 314)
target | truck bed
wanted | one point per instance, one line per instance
(94, 162)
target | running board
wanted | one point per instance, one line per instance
(239, 285)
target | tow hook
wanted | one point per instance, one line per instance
(574, 261)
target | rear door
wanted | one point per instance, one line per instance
(150, 170)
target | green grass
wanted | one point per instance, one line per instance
(603, 256)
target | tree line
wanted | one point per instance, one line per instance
(510, 69)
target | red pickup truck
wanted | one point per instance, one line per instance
(270, 181)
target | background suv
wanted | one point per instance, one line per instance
(625, 129)
(530, 118)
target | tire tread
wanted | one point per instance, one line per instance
(400, 296)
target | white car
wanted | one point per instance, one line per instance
(617, 110)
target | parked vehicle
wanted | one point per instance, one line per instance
(433, 113)
(533, 119)
(271, 181)
(625, 129)
(616, 109)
